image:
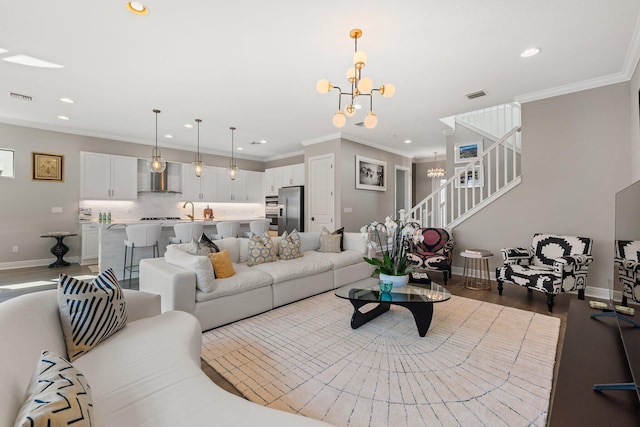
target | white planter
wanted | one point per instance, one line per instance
(397, 281)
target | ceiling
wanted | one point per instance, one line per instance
(254, 65)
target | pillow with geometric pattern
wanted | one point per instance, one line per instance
(90, 312)
(206, 241)
(290, 247)
(261, 250)
(58, 395)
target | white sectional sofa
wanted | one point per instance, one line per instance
(256, 289)
(147, 374)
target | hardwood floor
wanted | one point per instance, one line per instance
(19, 281)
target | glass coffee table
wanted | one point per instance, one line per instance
(417, 298)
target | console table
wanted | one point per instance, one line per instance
(59, 249)
(592, 353)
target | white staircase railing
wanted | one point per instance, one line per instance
(481, 181)
(494, 121)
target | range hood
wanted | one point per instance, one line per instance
(161, 182)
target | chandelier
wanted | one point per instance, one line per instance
(156, 163)
(198, 165)
(232, 170)
(360, 86)
(435, 172)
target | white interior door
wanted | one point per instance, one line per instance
(403, 190)
(321, 193)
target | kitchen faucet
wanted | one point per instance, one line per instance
(185, 205)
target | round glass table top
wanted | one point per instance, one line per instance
(368, 290)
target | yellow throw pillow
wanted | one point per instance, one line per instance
(222, 265)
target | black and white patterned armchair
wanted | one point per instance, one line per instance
(552, 264)
(627, 261)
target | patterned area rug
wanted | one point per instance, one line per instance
(480, 364)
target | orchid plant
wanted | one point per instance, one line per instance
(398, 237)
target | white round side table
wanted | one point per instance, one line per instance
(476, 270)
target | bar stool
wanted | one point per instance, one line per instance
(140, 236)
(186, 231)
(227, 229)
(258, 227)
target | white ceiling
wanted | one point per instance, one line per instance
(254, 65)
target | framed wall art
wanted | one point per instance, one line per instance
(47, 167)
(468, 151)
(371, 174)
(7, 163)
(473, 178)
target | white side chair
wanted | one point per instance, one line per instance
(258, 227)
(140, 236)
(227, 229)
(186, 231)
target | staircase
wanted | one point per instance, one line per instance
(491, 122)
(482, 181)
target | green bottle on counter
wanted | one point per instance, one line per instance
(109, 218)
(100, 218)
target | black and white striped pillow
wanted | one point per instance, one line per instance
(90, 312)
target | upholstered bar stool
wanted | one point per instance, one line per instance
(140, 236)
(227, 229)
(258, 227)
(186, 231)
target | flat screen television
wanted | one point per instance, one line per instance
(627, 227)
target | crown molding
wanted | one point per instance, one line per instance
(283, 156)
(321, 139)
(628, 68)
(376, 146)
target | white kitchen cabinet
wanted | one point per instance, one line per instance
(232, 190)
(283, 176)
(199, 189)
(270, 188)
(298, 174)
(105, 176)
(90, 243)
(254, 186)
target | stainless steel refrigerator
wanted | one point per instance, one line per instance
(290, 209)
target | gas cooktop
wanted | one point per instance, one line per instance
(160, 218)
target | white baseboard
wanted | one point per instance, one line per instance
(35, 263)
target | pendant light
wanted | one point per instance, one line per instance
(156, 163)
(233, 168)
(198, 166)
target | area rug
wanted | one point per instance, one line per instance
(480, 364)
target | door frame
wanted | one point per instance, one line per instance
(308, 173)
(407, 189)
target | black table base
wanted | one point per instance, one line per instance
(422, 313)
(59, 250)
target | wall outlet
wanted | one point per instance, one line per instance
(14, 249)
(56, 209)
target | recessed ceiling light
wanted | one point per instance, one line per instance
(67, 100)
(407, 141)
(63, 117)
(30, 61)
(168, 136)
(240, 148)
(137, 8)
(263, 141)
(530, 52)
(188, 125)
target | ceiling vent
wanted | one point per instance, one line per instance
(474, 95)
(21, 97)
(359, 124)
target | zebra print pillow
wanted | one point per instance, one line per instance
(90, 312)
(58, 395)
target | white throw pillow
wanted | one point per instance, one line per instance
(90, 312)
(199, 264)
(310, 241)
(58, 395)
(329, 242)
(232, 245)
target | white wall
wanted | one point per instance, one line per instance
(575, 157)
(634, 101)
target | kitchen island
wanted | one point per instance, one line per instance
(112, 237)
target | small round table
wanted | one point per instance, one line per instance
(476, 270)
(59, 249)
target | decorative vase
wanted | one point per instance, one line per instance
(397, 281)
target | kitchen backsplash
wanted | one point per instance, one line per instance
(164, 205)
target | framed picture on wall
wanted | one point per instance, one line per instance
(468, 151)
(473, 178)
(7, 163)
(371, 174)
(47, 167)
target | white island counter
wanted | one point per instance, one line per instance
(112, 237)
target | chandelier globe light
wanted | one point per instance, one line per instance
(360, 86)
(435, 172)
(198, 165)
(156, 163)
(232, 170)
